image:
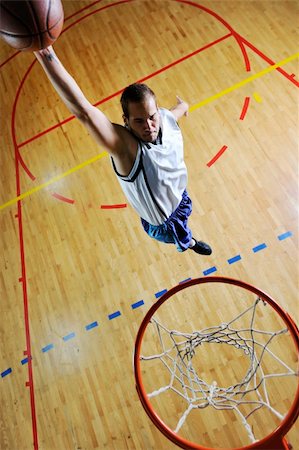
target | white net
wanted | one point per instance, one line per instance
(177, 351)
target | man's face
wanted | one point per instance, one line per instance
(144, 119)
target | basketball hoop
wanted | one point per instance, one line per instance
(186, 390)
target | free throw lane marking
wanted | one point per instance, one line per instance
(191, 109)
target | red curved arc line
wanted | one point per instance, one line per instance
(62, 198)
(238, 38)
(82, 9)
(25, 167)
(94, 12)
(13, 128)
(121, 205)
(217, 156)
(245, 108)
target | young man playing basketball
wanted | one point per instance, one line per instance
(147, 153)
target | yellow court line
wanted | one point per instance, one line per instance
(53, 180)
(243, 82)
(191, 109)
(257, 97)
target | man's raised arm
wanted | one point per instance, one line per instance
(112, 137)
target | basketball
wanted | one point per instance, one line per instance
(30, 25)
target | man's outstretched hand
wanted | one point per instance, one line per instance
(180, 109)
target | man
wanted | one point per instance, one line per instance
(146, 153)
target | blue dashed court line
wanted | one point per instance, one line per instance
(234, 259)
(210, 270)
(47, 348)
(283, 236)
(137, 304)
(159, 294)
(91, 325)
(258, 248)
(184, 281)
(25, 361)
(6, 372)
(69, 336)
(114, 315)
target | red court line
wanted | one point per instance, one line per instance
(121, 205)
(42, 133)
(243, 50)
(23, 280)
(18, 161)
(25, 167)
(62, 198)
(8, 59)
(115, 94)
(217, 156)
(245, 108)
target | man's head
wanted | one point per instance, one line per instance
(140, 111)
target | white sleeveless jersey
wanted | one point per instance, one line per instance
(158, 177)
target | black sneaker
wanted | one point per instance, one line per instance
(201, 248)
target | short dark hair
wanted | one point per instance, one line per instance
(135, 93)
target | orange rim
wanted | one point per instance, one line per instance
(276, 438)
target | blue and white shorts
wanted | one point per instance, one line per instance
(175, 229)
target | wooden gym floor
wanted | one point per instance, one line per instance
(74, 267)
